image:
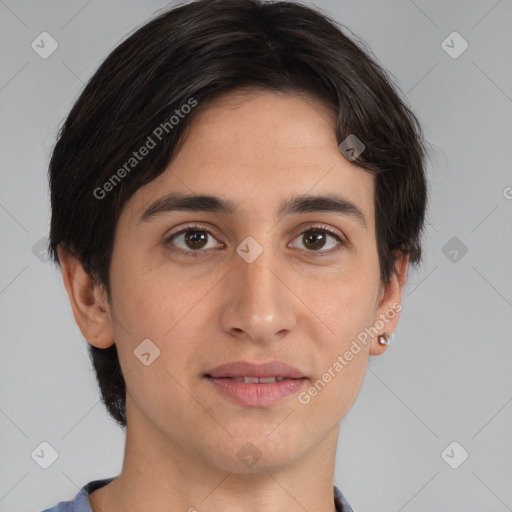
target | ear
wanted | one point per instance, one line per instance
(88, 301)
(389, 303)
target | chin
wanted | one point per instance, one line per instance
(251, 454)
(259, 462)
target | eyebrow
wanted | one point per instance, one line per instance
(175, 201)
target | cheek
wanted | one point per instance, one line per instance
(346, 308)
(162, 308)
(346, 302)
(146, 305)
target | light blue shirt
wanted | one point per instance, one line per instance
(80, 503)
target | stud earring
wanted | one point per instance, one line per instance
(385, 338)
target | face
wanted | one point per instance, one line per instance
(249, 283)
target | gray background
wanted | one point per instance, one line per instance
(447, 375)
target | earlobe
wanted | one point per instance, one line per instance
(88, 301)
(389, 305)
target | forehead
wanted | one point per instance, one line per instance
(256, 148)
(287, 123)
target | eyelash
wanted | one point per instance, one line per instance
(195, 227)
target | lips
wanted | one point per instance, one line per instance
(256, 385)
(257, 380)
(243, 371)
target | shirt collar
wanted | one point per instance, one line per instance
(340, 502)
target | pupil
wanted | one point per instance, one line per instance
(315, 237)
(196, 239)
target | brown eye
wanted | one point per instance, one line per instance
(195, 239)
(320, 239)
(314, 239)
(191, 241)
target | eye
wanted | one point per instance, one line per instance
(316, 238)
(192, 239)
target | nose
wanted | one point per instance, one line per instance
(260, 305)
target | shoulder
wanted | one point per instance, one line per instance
(80, 503)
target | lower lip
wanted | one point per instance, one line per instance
(257, 395)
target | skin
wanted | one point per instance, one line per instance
(290, 304)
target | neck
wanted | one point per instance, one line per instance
(159, 474)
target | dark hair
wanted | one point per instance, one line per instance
(188, 56)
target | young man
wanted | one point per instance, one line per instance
(236, 197)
